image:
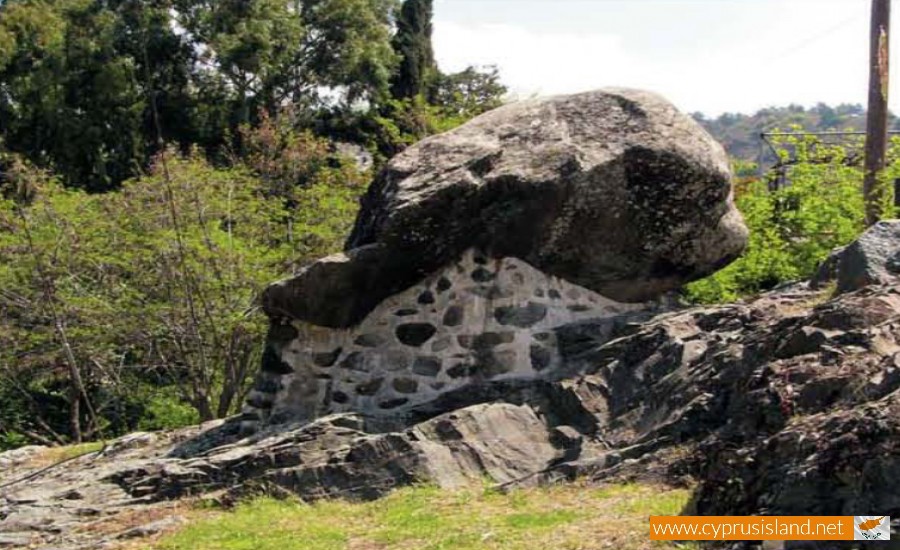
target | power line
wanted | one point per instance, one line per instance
(810, 40)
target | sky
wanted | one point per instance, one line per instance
(711, 56)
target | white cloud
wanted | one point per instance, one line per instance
(532, 62)
(824, 60)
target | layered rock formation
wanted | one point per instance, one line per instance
(788, 404)
(874, 258)
(473, 245)
(481, 358)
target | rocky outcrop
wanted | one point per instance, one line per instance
(874, 258)
(613, 190)
(471, 247)
(493, 355)
(787, 404)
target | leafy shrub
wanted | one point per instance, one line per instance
(135, 308)
(792, 229)
(163, 410)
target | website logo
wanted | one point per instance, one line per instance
(871, 528)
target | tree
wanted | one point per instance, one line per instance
(412, 43)
(74, 96)
(470, 92)
(272, 53)
(423, 100)
(114, 303)
(77, 76)
(828, 117)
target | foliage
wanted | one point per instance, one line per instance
(455, 99)
(77, 76)
(818, 207)
(398, 123)
(272, 51)
(90, 89)
(567, 516)
(152, 290)
(285, 158)
(739, 133)
(68, 96)
(163, 410)
(406, 121)
(18, 177)
(132, 307)
(412, 43)
(469, 92)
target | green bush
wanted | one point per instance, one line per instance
(163, 410)
(818, 207)
(135, 308)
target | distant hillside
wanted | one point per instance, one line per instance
(739, 133)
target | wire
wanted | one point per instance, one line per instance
(814, 38)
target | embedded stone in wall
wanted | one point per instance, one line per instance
(393, 403)
(496, 363)
(540, 356)
(486, 340)
(340, 397)
(441, 344)
(461, 370)
(354, 361)
(370, 388)
(443, 284)
(415, 334)
(272, 362)
(427, 366)
(521, 316)
(482, 275)
(395, 360)
(426, 298)
(326, 359)
(405, 385)
(453, 316)
(369, 340)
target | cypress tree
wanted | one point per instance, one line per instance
(412, 43)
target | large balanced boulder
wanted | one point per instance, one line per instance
(613, 190)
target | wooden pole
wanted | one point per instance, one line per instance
(876, 125)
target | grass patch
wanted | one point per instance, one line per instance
(540, 520)
(567, 517)
(53, 455)
(72, 451)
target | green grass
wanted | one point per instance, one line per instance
(566, 517)
(71, 451)
(53, 455)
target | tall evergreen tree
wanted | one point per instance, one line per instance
(412, 43)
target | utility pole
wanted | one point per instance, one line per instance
(876, 124)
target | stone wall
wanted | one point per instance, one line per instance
(478, 319)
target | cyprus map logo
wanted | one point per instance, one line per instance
(871, 528)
